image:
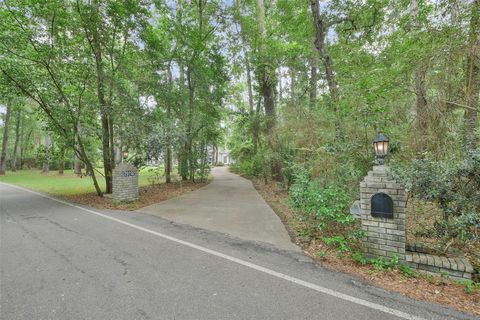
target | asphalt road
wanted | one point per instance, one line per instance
(59, 261)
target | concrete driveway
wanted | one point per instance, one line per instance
(229, 204)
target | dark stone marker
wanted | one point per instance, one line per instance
(382, 206)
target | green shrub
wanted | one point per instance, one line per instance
(381, 264)
(469, 286)
(358, 257)
(453, 184)
(337, 241)
(252, 167)
(324, 211)
(325, 206)
(407, 271)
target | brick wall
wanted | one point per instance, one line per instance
(456, 268)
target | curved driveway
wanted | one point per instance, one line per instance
(229, 204)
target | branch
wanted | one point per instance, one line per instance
(38, 100)
(338, 21)
(5, 49)
(85, 29)
(460, 105)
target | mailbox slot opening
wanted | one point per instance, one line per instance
(382, 206)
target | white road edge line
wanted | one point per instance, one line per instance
(274, 273)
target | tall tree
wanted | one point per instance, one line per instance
(107, 27)
(313, 75)
(18, 120)
(321, 29)
(6, 127)
(473, 77)
(265, 72)
(420, 74)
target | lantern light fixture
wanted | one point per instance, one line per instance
(381, 146)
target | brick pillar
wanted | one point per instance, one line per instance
(125, 183)
(385, 236)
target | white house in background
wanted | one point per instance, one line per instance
(216, 156)
(224, 157)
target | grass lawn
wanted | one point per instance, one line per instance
(68, 184)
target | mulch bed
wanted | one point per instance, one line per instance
(427, 288)
(147, 195)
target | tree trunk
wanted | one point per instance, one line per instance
(17, 138)
(46, 162)
(61, 161)
(280, 86)
(191, 94)
(168, 165)
(168, 153)
(80, 153)
(267, 85)
(3, 155)
(420, 87)
(24, 142)
(321, 29)
(249, 84)
(473, 78)
(183, 162)
(313, 77)
(22, 131)
(291, 71)
(253, 117)
(77, 161)
(421, 108)
(192, 165)
(107, 161)
(112, 145)
(104, 108)
(265, 72)
(77, 165)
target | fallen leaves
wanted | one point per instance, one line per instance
(147, 195)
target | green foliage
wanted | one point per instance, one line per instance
(469, 286)
(407, 271)
(322, 255)
(381, 264)
(453, 184)
(43, 155)
(324, 207)
(358, 257)
(252, 167)
(156, 175)
(325, 212)
(338, 241)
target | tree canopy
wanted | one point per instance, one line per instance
(283, 84)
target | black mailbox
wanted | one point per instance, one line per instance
(382, 205)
